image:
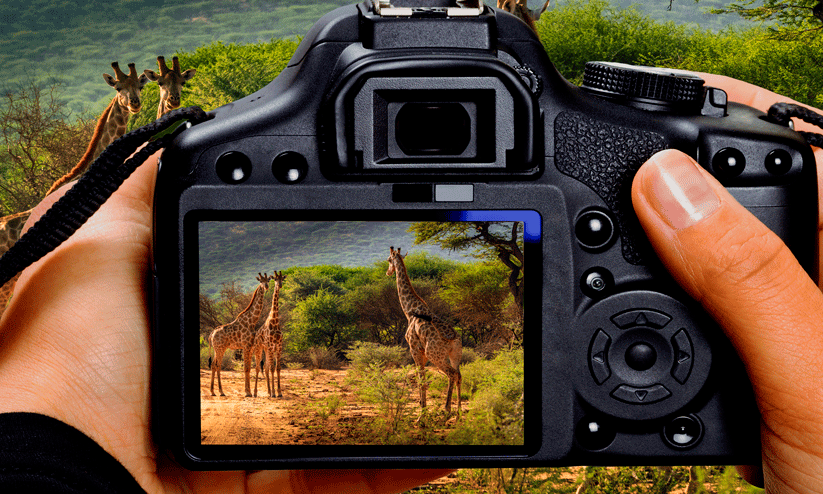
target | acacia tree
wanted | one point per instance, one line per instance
(794, 19)
(37, 144)
(488, 239)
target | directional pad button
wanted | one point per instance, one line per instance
(683, 356)
(598, 356)
(641, 317)
(641, 396)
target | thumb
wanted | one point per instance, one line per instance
(748, 281)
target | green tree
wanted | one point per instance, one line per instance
(792, 19)
(323, 318)
(38, 144)
(487, 239)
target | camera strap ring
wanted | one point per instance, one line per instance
(104, 176)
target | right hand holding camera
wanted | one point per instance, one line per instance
(747, 279)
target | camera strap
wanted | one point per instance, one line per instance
(104, 176)
(783, 112)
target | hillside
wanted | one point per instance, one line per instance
(75, 41)
(237, 251)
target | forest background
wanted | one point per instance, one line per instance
(54, 55)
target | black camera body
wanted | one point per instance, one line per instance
(442, 113)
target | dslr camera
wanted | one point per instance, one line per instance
(391, 115)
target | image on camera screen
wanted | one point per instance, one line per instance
(337, 302)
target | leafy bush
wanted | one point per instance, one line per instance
(389, 390)
(496, 393)
(364, 354)
(323, 358)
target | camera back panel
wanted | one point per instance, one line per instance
(426, 115)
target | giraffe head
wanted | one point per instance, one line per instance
(520, 9)
(394, 258)
(170, 81)
(278, 278)
(128, 87)
(264, 280)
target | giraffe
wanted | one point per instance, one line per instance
(429, 339)
(111, 125)
(521, 10)
(170, 82)
(238, 334)
(269, 339)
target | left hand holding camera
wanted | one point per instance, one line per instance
(76, 347)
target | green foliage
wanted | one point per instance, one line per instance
(495, 389)
(793, 19)
(364, 354)
(389, 390)
(581, 31)
(225, 73)
(322, 319)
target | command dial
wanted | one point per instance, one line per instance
(648, 88)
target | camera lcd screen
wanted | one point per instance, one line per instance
(344, 316)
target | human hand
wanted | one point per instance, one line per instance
(76, 347)
(748, 280)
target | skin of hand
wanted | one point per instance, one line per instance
(751, 284)
(75, 345)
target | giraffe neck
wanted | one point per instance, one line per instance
(274, 315)
(410, 301)
(251, 314)
(114, 127)
(162, 108)
(11, 227)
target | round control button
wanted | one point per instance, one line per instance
(683, 432)
(594, 230)
(641, 356)
(778, 162)
(597, 282)
(289, 167)
(594, 434)
(729, 162)
(233, 167)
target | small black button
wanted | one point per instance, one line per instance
(729, 162)
(779, 162)
(641, 396)
(594, 434)
(233, 167)
(289, 167)
(594, 230)
(641, 356)
(683, 432)
(596, 283)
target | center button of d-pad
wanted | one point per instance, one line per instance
(641, 356)
(641, 317)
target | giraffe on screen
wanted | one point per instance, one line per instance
(429, 339)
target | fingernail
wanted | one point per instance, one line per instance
(677, 190)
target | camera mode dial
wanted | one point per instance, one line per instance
(647, 88)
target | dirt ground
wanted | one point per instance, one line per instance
(296, 418)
